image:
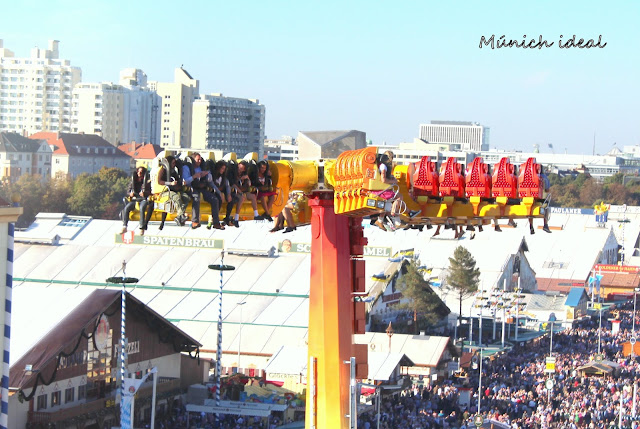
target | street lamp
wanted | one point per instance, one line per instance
(240, 304)
(220, 267)
(125, 417)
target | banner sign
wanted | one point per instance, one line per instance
(286, 246)
(617, 268)
(568, 210)
(155, 240)
(550, 365)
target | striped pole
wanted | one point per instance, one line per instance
(220, 267)
(125, 415)
(4, 411)
(123, 351)
(219, 347)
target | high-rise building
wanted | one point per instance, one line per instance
(35, 92)
(176, 100)
(228, 124)
(460, 135)
(119, 113)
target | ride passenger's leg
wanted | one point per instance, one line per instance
(144, 207)
(214, 202)
(195, 208)
(129, 206)
(288, 215)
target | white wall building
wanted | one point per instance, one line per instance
(176, 100)
(461, 135)
(21, 155)
(74, 154)
(119, 113)
(35, 92)
(228, 124)
(285, 149)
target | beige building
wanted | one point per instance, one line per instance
(116, 112)
(176, 100)
(228, 124)
(35, 92)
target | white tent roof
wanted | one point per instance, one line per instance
(176, 282)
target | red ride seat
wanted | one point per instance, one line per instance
(529, 181)
(504, 181)
(451, 179)
(478, 179)
(425, 178)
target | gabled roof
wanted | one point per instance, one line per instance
(64, 335)
(72, 144)
(140, 150)
(381, 365)
(423, 350)
(14, 142)
(575, 294)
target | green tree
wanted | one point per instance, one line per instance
(31, 189)
(425, 305)
(99, 195)
(56, 197)
(463, 277)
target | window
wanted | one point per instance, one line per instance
(68, 395)
(82, 392)
(55, 398)
(42, 402)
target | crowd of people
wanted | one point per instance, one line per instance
(513, 389)
(512, 392)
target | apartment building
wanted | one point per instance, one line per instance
(228, 124)
(123, 112)
(35, 92)
(21, 155)
(75, 154)
(176, 101)
(461, 135)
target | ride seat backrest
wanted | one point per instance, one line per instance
(504, 180)
(529, 181)
(451, 179)
(426, 178)
(478, 181)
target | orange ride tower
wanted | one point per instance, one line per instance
(337, 276)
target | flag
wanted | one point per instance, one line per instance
(131, 386)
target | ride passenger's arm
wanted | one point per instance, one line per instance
(165, 182)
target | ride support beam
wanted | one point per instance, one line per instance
(331, 316)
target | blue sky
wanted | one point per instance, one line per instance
(379, 67)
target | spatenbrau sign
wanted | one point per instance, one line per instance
(155, 240)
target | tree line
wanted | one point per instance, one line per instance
(97, 195)
(583, 191)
